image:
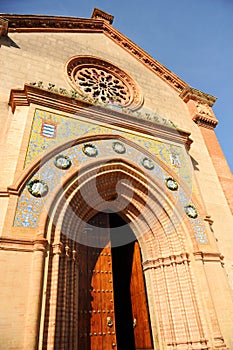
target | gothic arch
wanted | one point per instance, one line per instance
(164, 239)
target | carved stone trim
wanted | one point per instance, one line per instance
(203, 115)
(13, 244)
(209, 257)
(166, 261)
(18, 98)
(40, 244)
(219, 343)
(143, 57)
(205, 121)
(30, 23)
(37, 23)
(46, 98)
(99, 14)
(57, 248)
(189, 93)
(4, 192)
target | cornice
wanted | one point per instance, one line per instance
(51, 24)
(205, 121)
(46, 98)
(142, 56)
(189, 93)
(99, 14)
(56, 24)
(14, 244)
(203, 115)
(22, 245)
(206, 257)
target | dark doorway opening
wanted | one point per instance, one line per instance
(122, 260)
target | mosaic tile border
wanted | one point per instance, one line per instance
(29, 207)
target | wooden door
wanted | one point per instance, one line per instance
(141, 321)
(113, 311)
(96, 319)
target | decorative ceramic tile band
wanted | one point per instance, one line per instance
(30, 207)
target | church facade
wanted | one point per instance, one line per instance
(116, 224)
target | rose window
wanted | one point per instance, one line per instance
(103, 82)
(102, 86)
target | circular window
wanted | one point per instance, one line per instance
(102, 81)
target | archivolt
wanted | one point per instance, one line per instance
(119, 186)
(160, 226)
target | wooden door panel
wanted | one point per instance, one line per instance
(108, 316)
(95, 307)
(95, 290)
(142, 330)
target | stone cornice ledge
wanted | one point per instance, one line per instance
(209, 257)
(99, 14)
(13, 244)
(202, 119)
(4, 192)
(46, 98)
(189, 93)
(22, 245)
(205, 121)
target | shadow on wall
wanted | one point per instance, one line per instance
(6, 41)
(195, 164)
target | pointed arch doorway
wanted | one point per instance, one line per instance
(112, 301)
(81, 309)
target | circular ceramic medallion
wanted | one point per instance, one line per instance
(90, 150)
(103, 82)
(38, 188)
(118, 147)
(147, 163)
(171, 184)
(191, 211)
(62, 162)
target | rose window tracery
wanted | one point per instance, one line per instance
(102, 86)
(102, 81)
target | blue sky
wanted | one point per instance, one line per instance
(194, 39)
